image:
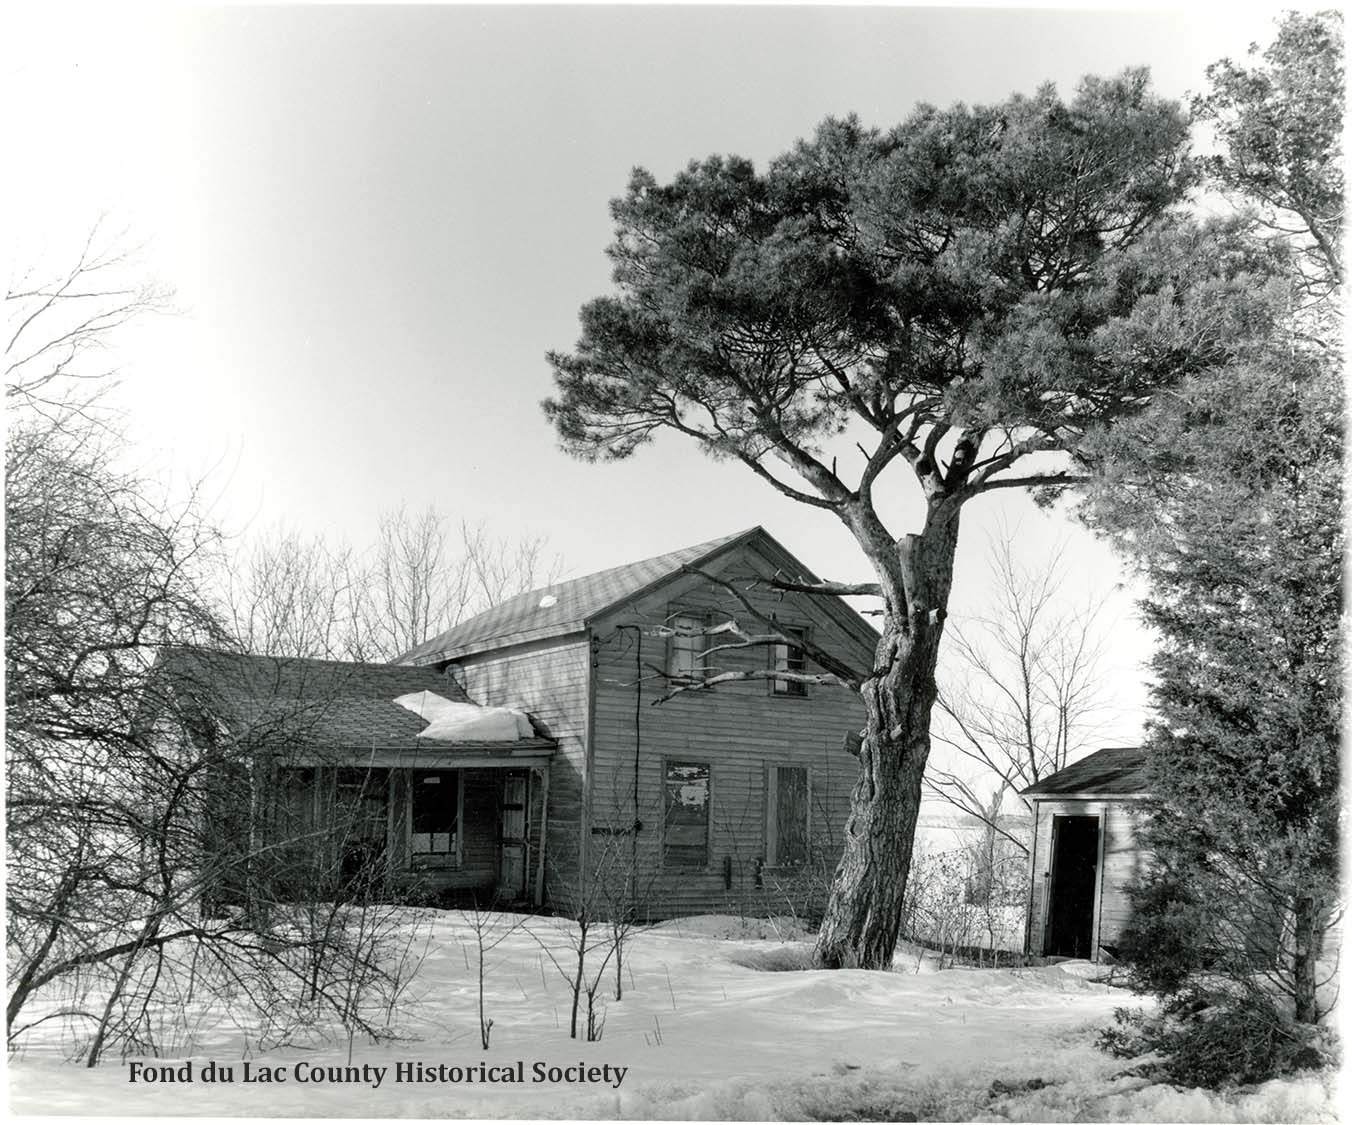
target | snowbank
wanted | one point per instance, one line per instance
(731, 927)
(448, 721)
(700, 1035)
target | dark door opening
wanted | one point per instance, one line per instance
(1070, 920)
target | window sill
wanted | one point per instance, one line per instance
(424, 861)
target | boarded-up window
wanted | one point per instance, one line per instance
(687, 645)
(685, 827)
(788, 803)
(435, 811)
(788, 658)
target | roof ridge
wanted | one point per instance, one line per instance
(211, 650)
(709, 545)
(665, 563)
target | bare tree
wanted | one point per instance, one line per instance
(285, 595)
(1023, 691)
(135, 853)
(419, 586)
(60, 323)
(498, 568)
(490, 928)
(425, 578)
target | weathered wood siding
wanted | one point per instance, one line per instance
(1122, 862)
(741, 730)
(548, 679)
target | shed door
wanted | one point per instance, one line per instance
(1070, 922)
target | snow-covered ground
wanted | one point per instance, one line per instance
(718, 1020)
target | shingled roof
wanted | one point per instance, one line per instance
(1115, 770)
(566, 607)
(339, 704)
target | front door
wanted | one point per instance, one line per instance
(513, 847)
(361, 822)
(1070, 921)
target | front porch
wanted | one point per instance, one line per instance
(412, 826)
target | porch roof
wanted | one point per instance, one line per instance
(283, 702)
(434, 755)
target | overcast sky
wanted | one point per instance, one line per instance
(377, 220)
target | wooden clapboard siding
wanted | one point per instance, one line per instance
(740, 730)
(1120, 866)
(549, 679)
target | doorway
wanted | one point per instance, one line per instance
(513, 846)
(1070, 919)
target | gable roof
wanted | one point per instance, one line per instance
(576, 602)
(1111, 770)
(335, 703)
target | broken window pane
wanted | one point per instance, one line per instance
(436, 799)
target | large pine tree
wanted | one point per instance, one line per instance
(960, 304)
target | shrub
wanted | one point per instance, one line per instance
(1203, 1044)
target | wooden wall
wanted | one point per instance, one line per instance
(548, 679)
(1122, 862)
(740, 729)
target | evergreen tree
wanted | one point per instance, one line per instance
(1236, 521)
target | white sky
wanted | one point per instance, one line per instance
(377, 220)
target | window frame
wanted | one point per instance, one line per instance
(772, 858)
(453, 859)
(789, 689)
(667, 760)
(700, 617)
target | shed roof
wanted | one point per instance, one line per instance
(335, 703)
(1111, 770)
(567, 607)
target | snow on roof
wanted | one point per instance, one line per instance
(452, 721)
(340, 704)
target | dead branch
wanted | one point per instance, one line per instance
(821, 678)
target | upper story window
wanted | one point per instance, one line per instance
(788, 658)
(687, 643)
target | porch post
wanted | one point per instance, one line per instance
(544, 828)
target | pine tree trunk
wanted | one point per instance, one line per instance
(863, 914)
(1309, 919)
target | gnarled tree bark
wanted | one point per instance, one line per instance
(863, 915)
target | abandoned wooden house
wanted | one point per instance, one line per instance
(1085, 853)
(519, 756)
(723, 798)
